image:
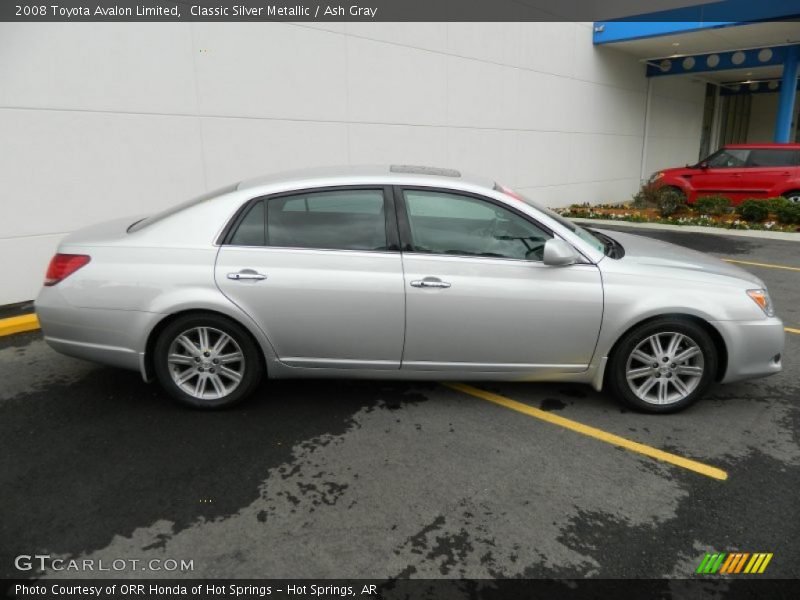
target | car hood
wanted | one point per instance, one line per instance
(650, 253)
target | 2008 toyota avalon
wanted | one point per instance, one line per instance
(400, 273)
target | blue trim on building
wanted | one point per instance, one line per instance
(727, 13)
(783, 122)
(717, 61)
(757, 87)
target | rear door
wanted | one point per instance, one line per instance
(766, 170)
(320, 272)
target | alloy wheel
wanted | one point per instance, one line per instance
(206, 363)
(665, 368)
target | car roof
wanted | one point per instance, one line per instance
(353, 174)
(765, 145)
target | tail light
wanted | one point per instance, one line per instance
(64, 265)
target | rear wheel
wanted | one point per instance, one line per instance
(207, 361)
(663, 366)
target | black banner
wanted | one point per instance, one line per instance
(358, 10)
(747, 587)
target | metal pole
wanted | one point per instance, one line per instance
(783, 122)
(642, 173)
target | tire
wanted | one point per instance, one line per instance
(656, 389)
(210, 372)
(792, 196)
(673, 188)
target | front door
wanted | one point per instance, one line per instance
(320, 273)
(722, 174)
(479, 297)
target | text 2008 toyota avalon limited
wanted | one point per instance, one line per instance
(400, 273)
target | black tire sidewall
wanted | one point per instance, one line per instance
(617, 378)
(252, 357)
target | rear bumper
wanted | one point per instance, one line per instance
(754, 348)
(112, 337)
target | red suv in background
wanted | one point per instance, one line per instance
(739, 171)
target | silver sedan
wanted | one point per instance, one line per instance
(400, 273)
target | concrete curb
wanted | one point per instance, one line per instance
(768, 235)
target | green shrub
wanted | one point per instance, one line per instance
(788, 214)
(712, 205)
(646, 197)
(670, 202)
(773, 204)
(753, 210)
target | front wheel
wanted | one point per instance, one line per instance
(793, 196)
(663, 366)
(207, 361)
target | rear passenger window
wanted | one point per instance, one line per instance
(335, 220)
(250, 231)
(772, 158)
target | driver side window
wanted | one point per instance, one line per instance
(445, 223)
(730, 158)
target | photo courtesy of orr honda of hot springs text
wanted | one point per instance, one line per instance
(400, 272)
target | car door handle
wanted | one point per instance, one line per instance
(247, 274)
(430, 283)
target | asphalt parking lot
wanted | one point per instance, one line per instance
(374, 479)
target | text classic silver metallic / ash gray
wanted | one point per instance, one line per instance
(400, 273)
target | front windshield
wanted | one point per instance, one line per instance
(582, 233)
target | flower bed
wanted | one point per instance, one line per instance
(683, 216)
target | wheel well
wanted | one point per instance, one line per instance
(788, 193)
(719, 343)
(162, 324)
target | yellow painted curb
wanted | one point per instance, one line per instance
(792, 330)
(18, 324)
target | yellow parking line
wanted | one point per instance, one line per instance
(760, 264)
(792, 330)
(594, 432)
(18, 324)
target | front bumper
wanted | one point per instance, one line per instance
(754, 348)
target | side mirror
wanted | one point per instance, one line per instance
(702, 165)
(558, 253)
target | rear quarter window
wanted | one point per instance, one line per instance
(773, 158)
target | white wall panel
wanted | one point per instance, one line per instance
(117, 67)
(482, 94)
(675, 123)
(403, 144)
(68, 169)
(387, 83)
(270, 70)
(491, 152)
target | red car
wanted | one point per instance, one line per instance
(739, 171)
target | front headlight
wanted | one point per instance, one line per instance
(761, 297)
(656, 176)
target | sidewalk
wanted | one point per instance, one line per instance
(770, 235)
